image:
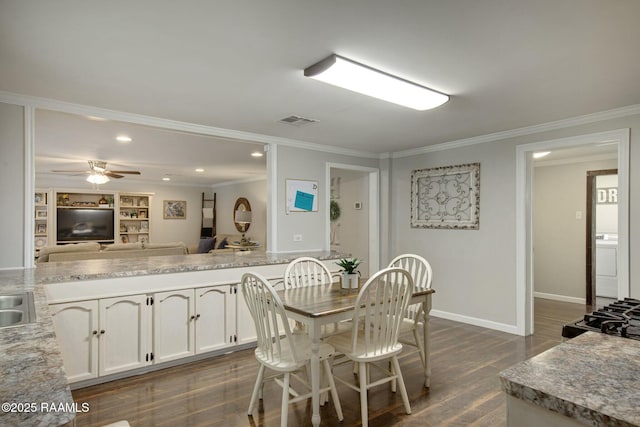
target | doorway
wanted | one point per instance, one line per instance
(524, 215)
(602, 235)
(353, 217)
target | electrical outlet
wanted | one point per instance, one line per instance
(297, 237)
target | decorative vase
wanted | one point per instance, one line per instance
(349, 281)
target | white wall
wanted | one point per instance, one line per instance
(607, 213)
(353, 224)
(304, 164)
(559, 238)
(256, 193)
(12, 186)
(474, 271)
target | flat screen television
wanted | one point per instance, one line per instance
(84, 224)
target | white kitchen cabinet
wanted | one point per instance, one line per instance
(173, 325)
(77, 329)
(245, 326)
(193, 321)
(124, 334)
(215, 321)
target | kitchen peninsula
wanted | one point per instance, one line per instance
(589, 380)
(31, 363)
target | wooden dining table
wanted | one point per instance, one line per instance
(317, 306)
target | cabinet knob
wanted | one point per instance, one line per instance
(193, 317)
(102, 332)
(197, 316)
(94, 332)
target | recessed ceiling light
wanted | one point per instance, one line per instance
(256, 154)
(166, 178)
(541, 154)
(97, 119)
(200, 170)
(123, 138)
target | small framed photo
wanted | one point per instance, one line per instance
(41, 228)
(126, 201)
(142, 213)
(40, 198)
(41, 213)
(142, 201)
(123, 228)
(41, 242)
(144, 226)
(124, 239)
(124, 214)
(174, 209)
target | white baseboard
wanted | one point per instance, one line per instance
(511, 329)
(563, 298)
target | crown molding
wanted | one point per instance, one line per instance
(528, 130)
(87, 110)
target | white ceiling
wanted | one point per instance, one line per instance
(238, 64)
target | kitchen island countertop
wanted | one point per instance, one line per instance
(31, 365)
(592, 378)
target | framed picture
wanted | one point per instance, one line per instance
(41, 213)
(40, 198)
(142, 213)
(174, 209)
(41, 228)
(144, 226)
(126, 201)
(124, 239)
(446, 197)
(40, 242)
(124, 214)
(301, 195)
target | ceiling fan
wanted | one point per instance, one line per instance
(98, 167)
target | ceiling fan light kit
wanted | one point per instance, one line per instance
(98, 178)
(98, 172)
(351, 75)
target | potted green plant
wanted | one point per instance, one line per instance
(349, 272)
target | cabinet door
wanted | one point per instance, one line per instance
(76, 326)
(245, 327)
(215, 318)
(124, 333)
(173, 325)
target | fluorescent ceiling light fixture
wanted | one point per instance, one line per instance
(256, 154)
(199, 170)
(98, 178)
(356, 77)
(123, 138)
(166, 178)
(541, 154)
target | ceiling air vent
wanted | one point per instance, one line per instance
(297, 121)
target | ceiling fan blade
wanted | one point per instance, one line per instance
(110, 174)
(68, 171)
(126, 172)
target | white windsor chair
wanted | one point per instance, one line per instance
(280, 350)
(379, 310)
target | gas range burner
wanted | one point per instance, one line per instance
(620, 318)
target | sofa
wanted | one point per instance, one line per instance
(215, 244)
(93, 250)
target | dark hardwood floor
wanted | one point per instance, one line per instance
(465, 389)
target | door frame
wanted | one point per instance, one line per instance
(524, 216)
(590, 228)
(374, 209)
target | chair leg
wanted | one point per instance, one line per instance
(403, 390)
(334, 391)
(419, 345)
(394, 380)
(364, 410)
(257, 388)
(284, 412)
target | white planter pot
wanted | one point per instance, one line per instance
(350, 281)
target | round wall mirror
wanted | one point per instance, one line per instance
(242, 214)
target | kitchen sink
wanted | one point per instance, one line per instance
(10, 301)
(17, 309)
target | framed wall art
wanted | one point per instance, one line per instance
(446, 197)
(302, 195)
(174, 209)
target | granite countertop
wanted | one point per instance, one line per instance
(31, 368)
(593, 378)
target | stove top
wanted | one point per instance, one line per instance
(620, 318)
